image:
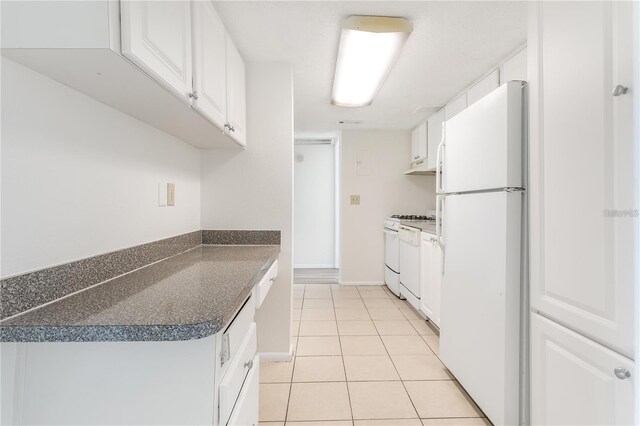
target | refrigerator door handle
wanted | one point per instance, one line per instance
(439, 189)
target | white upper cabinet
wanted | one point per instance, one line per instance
(209, 63)
(165, 63)
(156, 36)
(419, 144)
(515, 68)
(583, 176)
(455, 107)
(483, 87)
(236, 95)
(434, 129)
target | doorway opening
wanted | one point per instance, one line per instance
(316, 218)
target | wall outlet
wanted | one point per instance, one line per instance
(355, 200)
(162, 194)
(171, 194)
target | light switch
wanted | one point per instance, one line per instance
(355, 200)
(171, 194)
(162, 194)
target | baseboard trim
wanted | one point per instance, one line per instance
(362, 282)
(276, 356)
(315, 266)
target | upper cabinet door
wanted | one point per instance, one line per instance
(583, 179)
(419, 143)
(156, 36)
(483, 87)
(236, 95)
(455, 107)
(515, 68)
(434, 131)
(209, 63)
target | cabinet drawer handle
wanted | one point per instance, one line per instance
(194, 95)
(621, 373)
(272, 279)
(225, 350)
(619, 90)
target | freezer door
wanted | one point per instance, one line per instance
(479, 319)
(483, 144)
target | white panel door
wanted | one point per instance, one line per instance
(582, 170)
(480, 303)
(156, 36)
(415, 141)
(483, 144)
(430, 276)
(236, 94)
(483, 88)
(434, 132)
(574, 380)
(209, 63)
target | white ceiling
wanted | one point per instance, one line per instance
(452, 45)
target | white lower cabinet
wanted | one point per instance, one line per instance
(213, 380)
(431, 277)
(576, 381)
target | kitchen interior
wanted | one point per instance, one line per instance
(319, 213)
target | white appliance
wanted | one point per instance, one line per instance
(479, 227)
(410, 264)
(391, 255)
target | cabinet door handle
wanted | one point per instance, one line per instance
(619, 90)
(194, 95)
(621, 373)
(230, 127)
(249, 364)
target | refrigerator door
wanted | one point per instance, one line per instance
(480, 300)
(483, 144)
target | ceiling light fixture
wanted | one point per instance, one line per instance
(369, 46)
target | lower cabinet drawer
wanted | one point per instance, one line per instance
(240, 366)
(234, 334)
(265, 284)
(245, 412)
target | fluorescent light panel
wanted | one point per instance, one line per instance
(369, 46)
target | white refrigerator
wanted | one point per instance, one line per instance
(481, 201)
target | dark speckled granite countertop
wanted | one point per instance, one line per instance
(188, 296)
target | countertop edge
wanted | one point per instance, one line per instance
(132, 333)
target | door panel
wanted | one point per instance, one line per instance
(430, 275)
(156, 36)
(209, 63)
(574, 381)
(434, 130)
(480, 303)
(483, 144)
(236, 94)
(582, 168)
(245, 413)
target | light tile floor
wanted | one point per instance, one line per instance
(362, 357)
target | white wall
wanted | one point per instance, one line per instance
(80, 178)
(314, 206)
(253, 189)
(384, 192)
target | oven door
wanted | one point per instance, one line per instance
(391, 250)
